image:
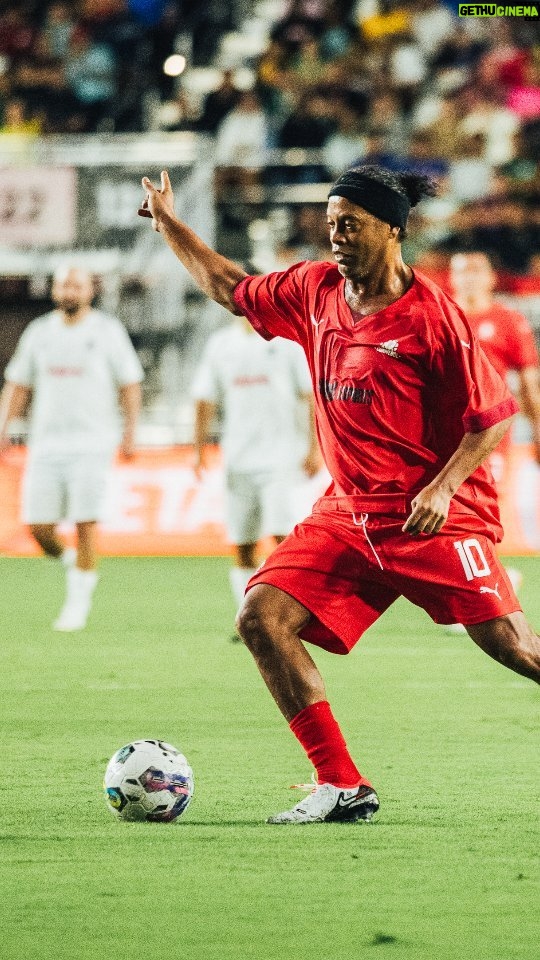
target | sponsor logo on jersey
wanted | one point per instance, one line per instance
(247, 381)
(66, 371)
(389, 347)
(334, 390)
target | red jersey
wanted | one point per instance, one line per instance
(506, 338)
(395, 391)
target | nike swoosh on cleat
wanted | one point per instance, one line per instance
(351, 802)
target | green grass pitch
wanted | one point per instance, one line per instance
(449, 869)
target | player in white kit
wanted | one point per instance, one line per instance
(264, 394)
(77, 366)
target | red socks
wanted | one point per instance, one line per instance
(318, 732)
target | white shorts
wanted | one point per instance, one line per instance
(260, 505)
(65, 487)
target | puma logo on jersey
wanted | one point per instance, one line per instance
(389, 347)
(464, 344)
(491, 590)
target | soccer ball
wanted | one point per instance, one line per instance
(148, 780)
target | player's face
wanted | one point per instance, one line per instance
(72, 290)
(471, 274)
(358, 239)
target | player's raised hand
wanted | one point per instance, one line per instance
(157, 202)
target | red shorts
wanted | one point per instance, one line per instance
(347, 569)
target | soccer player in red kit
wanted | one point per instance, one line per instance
(508, 341)
(408, 408)
(505, 336)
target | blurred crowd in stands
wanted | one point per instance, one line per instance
(405, 84)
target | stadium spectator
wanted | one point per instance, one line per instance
(440, 116)
(432, 25)
(458, 53)
(303, 20)
(91, 69)
(308, 125)
(267, 441)
(72, 364)
(408, 69)
(17, 31)
(339, 31)
(470, 172)
(57, 28)
(39, 80)
(500, 226)
(386, 117)
(411, 509)
(274, 79)
(17, 122)
(307, 238)
(522, 173)
(484, 114)
(347, 143)
(421, 158)
(308, 68)
(218, 103)
(523, 98)
(242, 135)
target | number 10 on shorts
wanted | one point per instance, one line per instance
(472, 558)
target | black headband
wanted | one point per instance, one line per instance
(375, 197)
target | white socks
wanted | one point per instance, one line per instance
(239, 577)
(80, 588)
(68, 557)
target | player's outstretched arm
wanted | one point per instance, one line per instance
(215, 275)
(130, 397)
(430, 507)
(205, 412)
(530, 401)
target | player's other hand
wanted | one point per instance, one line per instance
(199, 464)
(312, 463)
(4, 443)
(157, 202)
(429, 512)
(127, 447)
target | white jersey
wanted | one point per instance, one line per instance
(258, 385)
(75, 372)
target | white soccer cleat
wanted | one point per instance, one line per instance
(80, 588)
(73, 616)
(329, 804)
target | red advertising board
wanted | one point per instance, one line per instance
(156, 506)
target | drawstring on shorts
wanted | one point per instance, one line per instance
(362, 523)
